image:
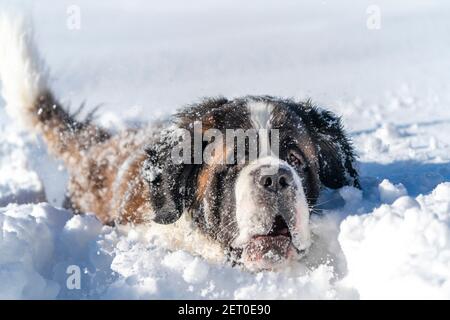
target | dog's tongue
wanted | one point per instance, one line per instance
(270, 248)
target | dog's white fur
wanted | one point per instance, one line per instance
(260, 115)
(253, 221)
(23, 74)
(185, 235)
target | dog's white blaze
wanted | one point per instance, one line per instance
(250, 217)
(247, 211)
(260, 116)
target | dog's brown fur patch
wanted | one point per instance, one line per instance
(104, 171)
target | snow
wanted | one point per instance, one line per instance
(390, 240)
(411, 239)
(39, 242)
(390, 192)
(29, 234)
(17, 182)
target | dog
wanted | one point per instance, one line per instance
(250, 210)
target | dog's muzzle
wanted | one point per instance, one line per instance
(271, 214)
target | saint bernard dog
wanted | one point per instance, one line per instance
(252, 211)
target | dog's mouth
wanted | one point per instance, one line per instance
(272, 247)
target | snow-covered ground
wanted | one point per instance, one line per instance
(143, 59)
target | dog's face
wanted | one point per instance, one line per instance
(251, 192)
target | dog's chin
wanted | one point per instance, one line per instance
(267, 252)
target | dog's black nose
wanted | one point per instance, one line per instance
(276, 182)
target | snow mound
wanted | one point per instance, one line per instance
(18, 183)
(401, 250)
(27, 245)
(390, 192)
(39, 244)
(148, 271)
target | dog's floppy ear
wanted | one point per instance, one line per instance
(335, 151)
(171, 184)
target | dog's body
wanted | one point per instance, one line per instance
(227, 209)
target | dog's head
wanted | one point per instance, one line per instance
(248, 171)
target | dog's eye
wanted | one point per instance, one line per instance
(297, 161)
(294, 160)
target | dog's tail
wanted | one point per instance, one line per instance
(29, 100)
